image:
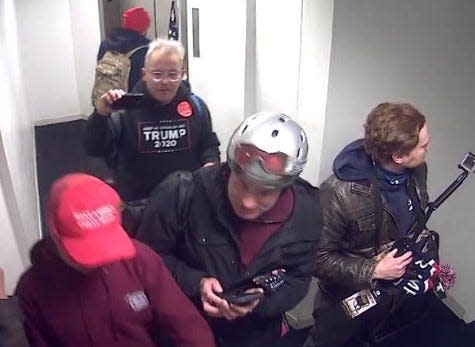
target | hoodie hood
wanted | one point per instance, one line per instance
(44, 255)
(122, 40)
(47, 262)
(353, 163)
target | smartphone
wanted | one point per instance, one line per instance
(239, 297)
(128, 101)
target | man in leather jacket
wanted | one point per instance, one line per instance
(222, 226)
(388, 166)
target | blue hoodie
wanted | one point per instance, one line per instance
(354, 164)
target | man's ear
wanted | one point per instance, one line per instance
(397, 157)
(142, 70)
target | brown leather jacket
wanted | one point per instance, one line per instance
(348, 250)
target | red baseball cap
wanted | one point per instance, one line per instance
(136, 18)
(84, 218)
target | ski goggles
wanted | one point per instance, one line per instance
(247, 156)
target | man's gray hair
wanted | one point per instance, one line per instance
(165, 46)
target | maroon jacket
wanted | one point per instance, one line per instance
(127, 303)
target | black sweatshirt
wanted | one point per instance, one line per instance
(154, 141)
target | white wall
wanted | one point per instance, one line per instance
(12, 232)
(316, 31)
(421, 52)
(269, 55)
(46, 55)
(47, 63)
(218, 75)
(278, 28)
(293, 42)
(18, 173)
(85, 38)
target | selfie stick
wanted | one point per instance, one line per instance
(468, 166)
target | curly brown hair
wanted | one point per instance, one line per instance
(392, 128)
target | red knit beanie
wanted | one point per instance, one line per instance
(136, 18)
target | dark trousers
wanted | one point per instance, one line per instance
(333, 328)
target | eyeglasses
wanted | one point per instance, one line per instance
(172, 76)
(273, 163)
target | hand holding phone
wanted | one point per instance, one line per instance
(128, 101)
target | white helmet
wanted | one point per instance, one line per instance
(268, 148)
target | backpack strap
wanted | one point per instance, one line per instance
(133, 211)
(133, 51)
(111, 158)
(197, 103)
(185, 190)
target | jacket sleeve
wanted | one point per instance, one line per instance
(297, 281)
(299, 261)
(209, 143)
(333, 261)
(99, 137)
(11, 324)
(174, 312)
(161, 228)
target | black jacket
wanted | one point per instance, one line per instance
(154, 141)
(197, 239)
(124, 40)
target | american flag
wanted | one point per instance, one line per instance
(173, 24)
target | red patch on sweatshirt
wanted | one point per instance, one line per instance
(184, 109)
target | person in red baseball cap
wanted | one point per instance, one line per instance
(84, 221)
(91, 285)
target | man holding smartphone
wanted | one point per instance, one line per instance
(169, 129)
(227, 232)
